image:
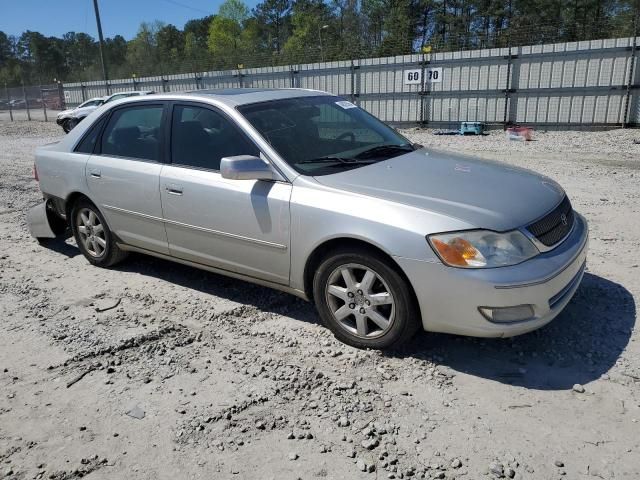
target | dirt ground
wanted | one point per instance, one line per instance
(152, 370)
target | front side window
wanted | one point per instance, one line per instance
(324, 134)
(134, 132)
(201, 137)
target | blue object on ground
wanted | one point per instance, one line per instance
(471, 128)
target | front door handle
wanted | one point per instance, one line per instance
(173, 189)
(95, 173)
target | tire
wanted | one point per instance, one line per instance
(71, 124)
(93, 237)
(65, 126)
(371, 307)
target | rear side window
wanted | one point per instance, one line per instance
(134, 132)
(201, 137)
(88, 142)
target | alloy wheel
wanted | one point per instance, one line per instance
(360, 300)
(91, 232)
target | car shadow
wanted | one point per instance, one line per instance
(60, 245)
(579, 346)
(239, 291)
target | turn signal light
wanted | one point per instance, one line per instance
(457, 251)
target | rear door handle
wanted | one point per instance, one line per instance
(173, 189)
(95, 173)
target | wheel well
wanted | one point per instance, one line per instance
(322, 250)
(70, 202)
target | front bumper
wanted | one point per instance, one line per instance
(449, 298)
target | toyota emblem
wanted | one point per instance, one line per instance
(563, 218)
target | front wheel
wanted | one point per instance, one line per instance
(70, 124)
(92, 234)
(365, 300)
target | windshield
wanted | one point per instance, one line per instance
(91, 103)
(120, 96)
(323, 135)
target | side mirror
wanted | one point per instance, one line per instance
(246, 167)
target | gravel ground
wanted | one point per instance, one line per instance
(152, 370)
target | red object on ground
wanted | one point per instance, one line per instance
(520, 133)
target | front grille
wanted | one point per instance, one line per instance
(554, 226)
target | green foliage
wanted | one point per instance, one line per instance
(273, 20)
(278, 32)
(142, 51)
(234, 10)
(224, 41)
(309, 37)
(227, 40)
(398, 27)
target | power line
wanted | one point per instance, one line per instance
(173, 2)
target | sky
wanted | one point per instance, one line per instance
(119, 17)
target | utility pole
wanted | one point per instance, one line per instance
(101, 39)
(320, 28)
(632, 62)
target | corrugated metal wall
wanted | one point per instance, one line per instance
(563, 84)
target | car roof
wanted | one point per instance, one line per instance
(237, 96)
(243, 96)
(130, 92)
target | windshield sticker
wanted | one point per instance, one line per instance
(344, 104)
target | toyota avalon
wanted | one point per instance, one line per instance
(305, 192)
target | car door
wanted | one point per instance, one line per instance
(123, 175)
(236, 225)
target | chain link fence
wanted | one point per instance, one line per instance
(39, 103)
(562, 85)
(495, 78)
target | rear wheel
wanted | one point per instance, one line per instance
(92, 234)
(365, 300)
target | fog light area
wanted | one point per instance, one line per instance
(518, 313)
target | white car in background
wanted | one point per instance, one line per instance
(68, 119)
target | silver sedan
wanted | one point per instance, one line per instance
(305, 192)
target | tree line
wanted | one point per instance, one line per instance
(279, 32)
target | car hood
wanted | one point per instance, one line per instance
(482, 193)
(66, 112)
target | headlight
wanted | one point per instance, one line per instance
(482, 248)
